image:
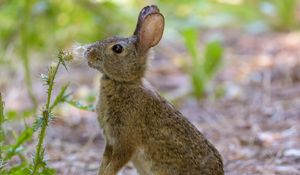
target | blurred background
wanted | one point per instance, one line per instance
(231, 66)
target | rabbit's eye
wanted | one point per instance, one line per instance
(117, 48)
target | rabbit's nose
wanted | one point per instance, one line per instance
(91, 53)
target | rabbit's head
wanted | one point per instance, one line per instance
(124, 59)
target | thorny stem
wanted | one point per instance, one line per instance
(51, 83)
(37, 158)
(46, 115)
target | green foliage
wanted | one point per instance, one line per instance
(24, 48)
(252, 15)
(286, 13)
(203, 68)
(7, 152)
(17, 115)
(212, 58)
(277, 14)
(38, 27)
(41, 26)
(2, 133)
(79, 105)
(61, 97)
(56, 24)
(17, 147)
(39, 164)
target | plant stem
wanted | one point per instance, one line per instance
(51, 83)
(39, 146)
(24, 51)
(46, 115)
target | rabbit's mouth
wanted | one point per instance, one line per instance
(92, 56)
(92, 65)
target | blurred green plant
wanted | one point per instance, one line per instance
(57, 24)
(38, 27)
(42, 26)
(203, 67)
(24, 49)
(2, 133)
(250, 15)
(33, 28)
(286, 13)
(276, 14)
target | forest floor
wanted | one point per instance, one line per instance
(255, 125)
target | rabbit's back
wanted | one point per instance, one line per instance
(165, 141)
(172, 144)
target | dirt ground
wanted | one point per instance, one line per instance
(255, 125)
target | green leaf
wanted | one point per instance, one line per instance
(212, 58)
(286, 12)
(60, 98)
(17, 115)
(37, 123)
(24, 136)
(199, 83)
(190, 36)
(48, 171)
(45, 78)
(20, 171)
(16, 148)
(11, 114)
(91, 98)
(79, 105)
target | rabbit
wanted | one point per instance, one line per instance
(138, 124)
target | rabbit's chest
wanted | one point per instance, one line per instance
(107, 128)
(110, 120)
(103, 119)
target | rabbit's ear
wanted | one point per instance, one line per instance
(151, 31)
(143, 14)
(149, 28)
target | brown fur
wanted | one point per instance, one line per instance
(138, 124)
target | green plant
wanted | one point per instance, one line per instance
(7, 152)
(2, 134)
(203, 67)
(31, 28)
(43, 121)
(285, 13)
(24, 49)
